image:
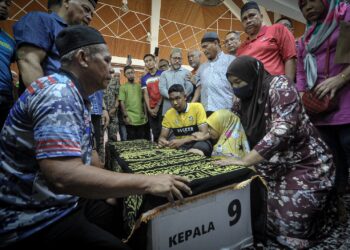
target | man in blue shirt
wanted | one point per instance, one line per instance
(37, 54)
(7, 51)
(46, 162)
(175, 75)
(35, 35)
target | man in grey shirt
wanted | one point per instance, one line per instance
(175, 75)
(216, 91)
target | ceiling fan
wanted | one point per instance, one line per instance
(208, 2)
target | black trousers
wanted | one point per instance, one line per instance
(156, 124)
(205, 146)
(97, 124)
(338, 139)
(138, 132)
(5, 107)
(209, 113)
(94, 225)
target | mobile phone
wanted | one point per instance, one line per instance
(156, 51)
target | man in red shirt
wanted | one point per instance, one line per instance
(273, 45)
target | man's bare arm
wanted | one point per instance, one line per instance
(197, 94)
(29, 59)
(71, 176)
(163, 137)
(290, 68)
(95, 160)
(146, 98)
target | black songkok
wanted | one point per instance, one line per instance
(93, 2)
(248, 6)
(210, 37)
(75, 37)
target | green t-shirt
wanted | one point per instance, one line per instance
(131, 95)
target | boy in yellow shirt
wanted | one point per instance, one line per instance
(184, 119)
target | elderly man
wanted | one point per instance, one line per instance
(35, 35)
(194, 59)
(7, 52)
(216, 91)
(232, 42)
(175, 75)
(38, 56)
(286, 22)
(46, 160)
(183, 120)
(163, 64)
(273, 45)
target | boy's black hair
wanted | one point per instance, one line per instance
(176, 88)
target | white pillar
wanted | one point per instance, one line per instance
(233, 8)
(276, 16)
(155, 17)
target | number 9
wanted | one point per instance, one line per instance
(234, 211)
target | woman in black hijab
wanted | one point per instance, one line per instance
(286, 150)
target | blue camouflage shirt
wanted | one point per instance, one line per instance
(50, 120)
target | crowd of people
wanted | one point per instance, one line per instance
(276, 104)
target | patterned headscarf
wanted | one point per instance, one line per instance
(317, 33)
(232, 136)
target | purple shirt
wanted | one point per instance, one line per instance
(342, 115)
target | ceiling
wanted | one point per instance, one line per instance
(165, 23)
(287, 8)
